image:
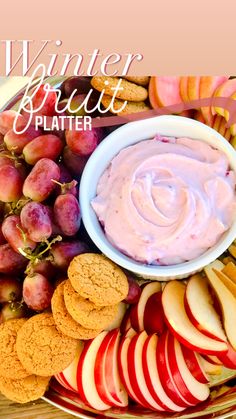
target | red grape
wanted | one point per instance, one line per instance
(37, 292)
(39, 183)
(10, 261)
(15, 234)
(81, 84)
(67, 214)
(45, 146)
(48, 107)
(36, 221)
(10, 289)
(62, 253)
(134, 291)
(5, 159)
(73, 162)
(82, 143)
(67, 183)
(43, 267)
(16, 142)
(2, 238)
(13, 310)
(7, 121)
(10, 184)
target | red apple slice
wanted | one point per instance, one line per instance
(212, 359)
(167, 90)
(122, 308)
(113, 381)
(166, 377)
(199, 117)
(105, 371)
(224, 90)
(194, 365)
(226, 281)
(86, 374)
(193, 391)
(136, 374)
(227, 302)
(229, 359)
(152, 93)
(62, 382)
(152, 376)
(123, 363)
(209, 368)
(126, 323)
(153, 318)
(193, 87)
(200, 310)
(183, 88)
(68, 377)
(137, 311)
(208, 86)
(179, 323)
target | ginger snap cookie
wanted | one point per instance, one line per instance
(128, 90)
(24, 390)
(10, 365)
(41, 348)
(64, 322)
(131, 107)
(97, 278)
(85, 312)
(141, 80)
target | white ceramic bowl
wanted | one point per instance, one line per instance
(127, 135)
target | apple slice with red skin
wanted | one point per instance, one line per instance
(212, 359)
(167, 90)
(193, 87)
(137, 310)
(209, 368)
(194, 365)
(229, 359)
(166, 377)
(226, 89)
(183, 88)
(113, 381)
(178, 322)
(136, 374)
(58, 377)
(122, 309)
(153, 318)
(68, 377)
(206, 318)
(208, 86)
(152, 376)
(193, 391)
(106, 373)
(86, 377)
(123, 363)
(227, 301)
(126, 323)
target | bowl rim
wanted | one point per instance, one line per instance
(110, 147)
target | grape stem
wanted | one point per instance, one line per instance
(65, 187)
(36, 256)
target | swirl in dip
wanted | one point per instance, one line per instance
(167, 200)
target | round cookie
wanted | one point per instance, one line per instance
(64, 322)
(142, 80)
(25, 389)
(97, 278)
(10, 365)
(131, 107)
(42, 349)
(128, 90)
(85, 312)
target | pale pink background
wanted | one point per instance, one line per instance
(175, 37)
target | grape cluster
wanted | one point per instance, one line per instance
(40, 229)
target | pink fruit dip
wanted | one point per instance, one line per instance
(167, 200)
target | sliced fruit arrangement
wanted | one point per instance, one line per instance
(169, 344)
(167, 91)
